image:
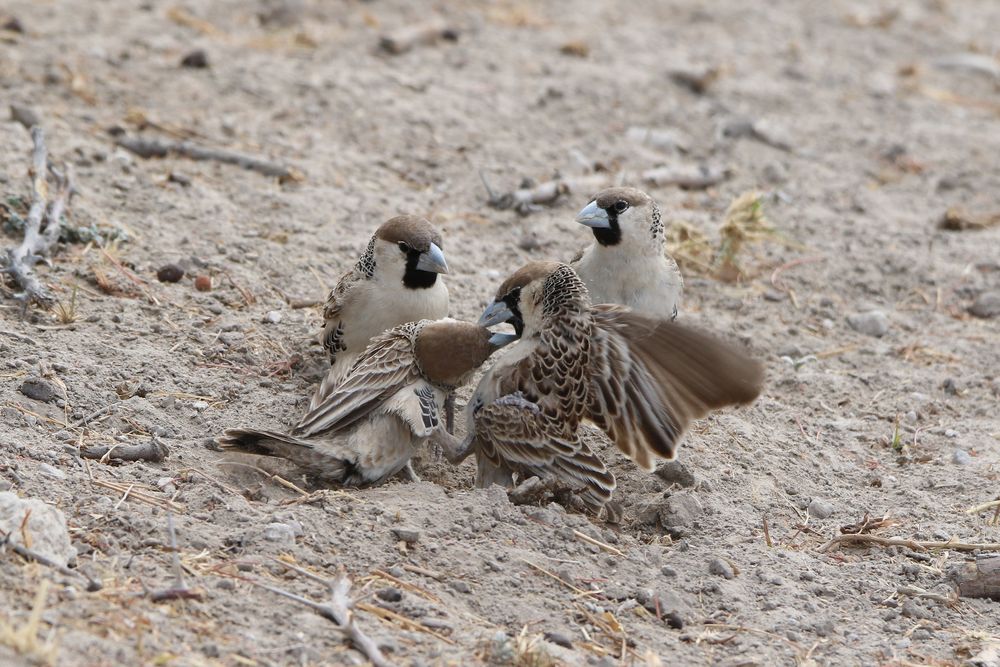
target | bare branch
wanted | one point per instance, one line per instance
(149, 148)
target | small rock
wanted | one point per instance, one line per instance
(24, 115)
(461, 586)
(12, 24)
(820, 508)
(960, 457)
(950, 433)
(986, 305)
(408, 535)
(203, 283)
(389, 594)
(200, 405)
(871, 323)
(169, 273)
(39, 389)
(45, 526)
(51, 471)
(668, 571)
(197, 59)
(675, 472)
(721, 568)
(279, 532)
(951, 387)
(273, 317)
(558, 639)
(179, 178)
(681, 509)
(232, 338)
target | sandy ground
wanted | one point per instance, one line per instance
(868, 129)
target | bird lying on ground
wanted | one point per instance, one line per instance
(369, 424)
(628, 263)
(640, 380)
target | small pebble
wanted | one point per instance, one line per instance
(170, 273)
(203, 283)
(408, 535)
(721, 568)
(51, 471)
(273, 317)
(950, 433)
(872, 323)
(461, 586)
(820, 508)
(279, 532)
(389, 594)
(961, 457)
(197, 59)
(38, 389)
(675, 472)
(986, 305)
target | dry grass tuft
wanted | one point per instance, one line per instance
(24, 640)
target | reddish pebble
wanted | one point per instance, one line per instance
(203, 283)
(170, 273)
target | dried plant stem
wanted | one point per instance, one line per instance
(916, 545)
(147, 148)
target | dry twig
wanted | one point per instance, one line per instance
(420, 34)
(37, 243)
(153, 450)
(180, 590)
(149, 148)
(30, 554)
(916, 545)
(531, 197)
(337, 611)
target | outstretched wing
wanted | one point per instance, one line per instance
(513, 434)
(387, 366)
(650, 378)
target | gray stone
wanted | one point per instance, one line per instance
(960, 457)
(232, 338)
(871, 323)
(51, 471)
(819, 508)
(273, 317)
(721, 568)
(675, 472)
(279, 532)
(46, 527)
(408, 535)
(460, 586)
(39, 389)
(681, 509)
(986, 305)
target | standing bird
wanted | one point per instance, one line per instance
(640, 380)
(369, 425)
(395, 281)
(628, 263)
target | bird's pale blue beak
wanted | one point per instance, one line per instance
(594, 216)
(498, 340)
(495, 313)
(432, 260)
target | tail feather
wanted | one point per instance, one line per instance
(314, 461)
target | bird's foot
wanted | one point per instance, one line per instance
(517, 400)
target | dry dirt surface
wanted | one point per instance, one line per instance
(860, 123)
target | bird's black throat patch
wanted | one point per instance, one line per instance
(613, 234)
(513, 301)
(415, 278)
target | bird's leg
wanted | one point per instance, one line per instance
(449, 413)
(455, 449)
(408, 473)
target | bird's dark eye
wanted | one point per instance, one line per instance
(621, 206)
(402, 246)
